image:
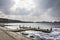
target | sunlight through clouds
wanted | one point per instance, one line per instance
(27, 4)
(30, 10)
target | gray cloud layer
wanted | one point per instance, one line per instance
(50, 8)
(5, 6)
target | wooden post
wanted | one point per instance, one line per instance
(23, 26)
(29, 26)
(38, 28)
(51, 29)
(19, 26)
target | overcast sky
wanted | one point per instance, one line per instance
(30, 10)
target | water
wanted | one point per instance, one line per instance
(54, 35)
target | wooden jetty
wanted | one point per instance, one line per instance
(34, 29)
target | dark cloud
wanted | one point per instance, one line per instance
(42, 6)
(5, 6)
(45, 4)
(18, 11)
(22, 11)
(6, 11)
(54, 12)
(36, 12)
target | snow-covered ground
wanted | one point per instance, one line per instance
(54, 35)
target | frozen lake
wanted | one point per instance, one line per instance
(54, 35)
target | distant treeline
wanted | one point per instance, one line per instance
(5, 20)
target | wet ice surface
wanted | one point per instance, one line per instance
(54, 35)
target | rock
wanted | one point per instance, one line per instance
(8, 35)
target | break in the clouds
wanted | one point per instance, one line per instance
(31, 10)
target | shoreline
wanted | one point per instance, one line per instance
(13, 35)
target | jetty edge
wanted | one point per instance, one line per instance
(36, 29)
(29, 28)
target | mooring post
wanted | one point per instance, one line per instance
(19, 26)
(38, 28)
(29, 26)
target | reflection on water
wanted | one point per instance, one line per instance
(54, 35)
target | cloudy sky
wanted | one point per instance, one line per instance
(30, 10)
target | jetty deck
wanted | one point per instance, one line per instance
(29, 28)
